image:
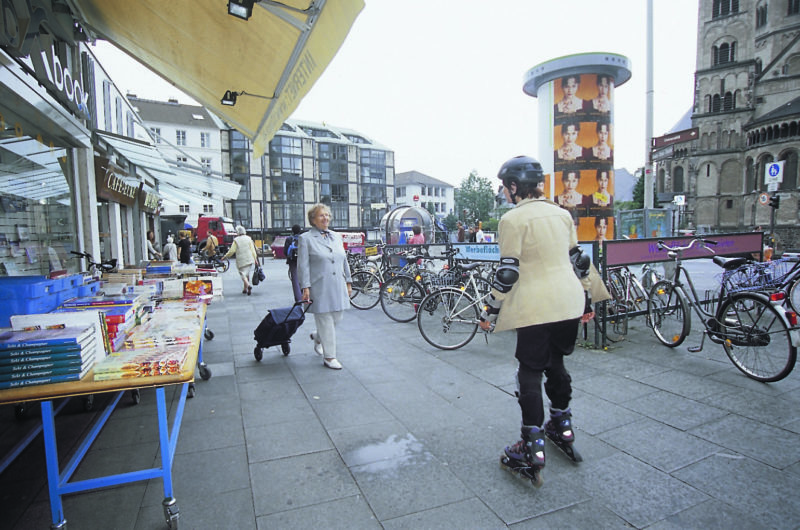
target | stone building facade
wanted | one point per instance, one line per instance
(746, 111)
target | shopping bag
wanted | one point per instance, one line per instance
(258, 275)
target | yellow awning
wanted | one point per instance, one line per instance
(194, 44)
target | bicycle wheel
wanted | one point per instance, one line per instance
(366, 290)
(756, 338)
(448, 318)
(794, 295)
(400, 297)
(222, 264)
(668, 313)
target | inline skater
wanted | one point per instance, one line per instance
(537, 292)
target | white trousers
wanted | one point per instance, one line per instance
(326, 331)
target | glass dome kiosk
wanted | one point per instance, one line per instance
(396, 225)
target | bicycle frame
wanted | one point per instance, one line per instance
(705, 316)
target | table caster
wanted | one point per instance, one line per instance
(171, 512)
(205, 372)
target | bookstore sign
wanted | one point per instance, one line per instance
(148, 202)
(111, 184)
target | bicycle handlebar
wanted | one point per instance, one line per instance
(698, 240)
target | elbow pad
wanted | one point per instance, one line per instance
(491, 309)
(580, 262)
(507, 274)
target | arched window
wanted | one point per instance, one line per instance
(732, 53)
(789, 171)
(759, 65)
(784, 130)
(715, 10)
(677, 179)
(761, 16)
(707, 103)
(660, 183)
(749, 175)
(728, 102)
(716, 103)
(723, 53)
(714, 56)
(794, 7)
(793, 129)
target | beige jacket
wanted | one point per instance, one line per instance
(539, 233)
(245, 251)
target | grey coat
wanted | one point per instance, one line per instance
(322, 266)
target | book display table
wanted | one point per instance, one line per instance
(132, 377)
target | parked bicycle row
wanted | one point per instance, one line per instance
(751, 310)
(444, 294)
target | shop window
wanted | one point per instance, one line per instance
(180, 137)
(36, 228)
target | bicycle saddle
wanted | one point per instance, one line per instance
(729, 263)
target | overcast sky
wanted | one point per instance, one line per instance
(440, 82)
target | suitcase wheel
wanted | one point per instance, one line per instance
(257, 353)
(208, 334)
(285, 348)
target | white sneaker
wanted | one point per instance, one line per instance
(317, 344)
(332, 364)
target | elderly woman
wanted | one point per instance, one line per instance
(245, 251)
(325, 279)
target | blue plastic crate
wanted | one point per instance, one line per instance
(22, 295)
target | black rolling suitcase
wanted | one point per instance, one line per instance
(278, 327)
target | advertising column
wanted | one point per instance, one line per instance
(576, 135)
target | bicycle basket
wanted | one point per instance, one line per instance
(757, 276)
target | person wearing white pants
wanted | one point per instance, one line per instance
(324, 277)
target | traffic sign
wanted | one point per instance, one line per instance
(773, 173)
(763, 199)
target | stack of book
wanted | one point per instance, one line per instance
(42, 356)
(123, 313)
(143, 362)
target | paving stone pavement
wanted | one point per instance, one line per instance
(409, 436)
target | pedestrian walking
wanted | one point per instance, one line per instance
(325, 279)
(245, 251)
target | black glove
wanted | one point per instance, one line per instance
(587, 308)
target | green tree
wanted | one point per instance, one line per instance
(450, 221)
(431, 210)
(638, 191)
(476, 196)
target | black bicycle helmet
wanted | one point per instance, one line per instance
(524, 171)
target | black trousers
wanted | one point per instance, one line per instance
(541, 350)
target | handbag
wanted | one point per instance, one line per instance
(258, 275)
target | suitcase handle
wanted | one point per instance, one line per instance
(299, 303)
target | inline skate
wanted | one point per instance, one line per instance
(559, 429)
(525, 459)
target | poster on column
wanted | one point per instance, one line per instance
(583, 152)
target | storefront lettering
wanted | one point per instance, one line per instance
(20, 35)
(62, 79)
(114, 183)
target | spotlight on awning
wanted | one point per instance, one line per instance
(229, 98)
(242, 9)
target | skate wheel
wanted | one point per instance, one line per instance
(537, 480)
(257, 353)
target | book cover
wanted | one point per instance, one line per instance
(39, 373)
(41, 365)
(141, 363)
(45, 352)
(41, 381)
(103, 300)
(27, 339)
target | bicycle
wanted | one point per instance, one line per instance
(758, 335)
(94, 267)
(221, 264)
(448, 318)
(628, 295)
